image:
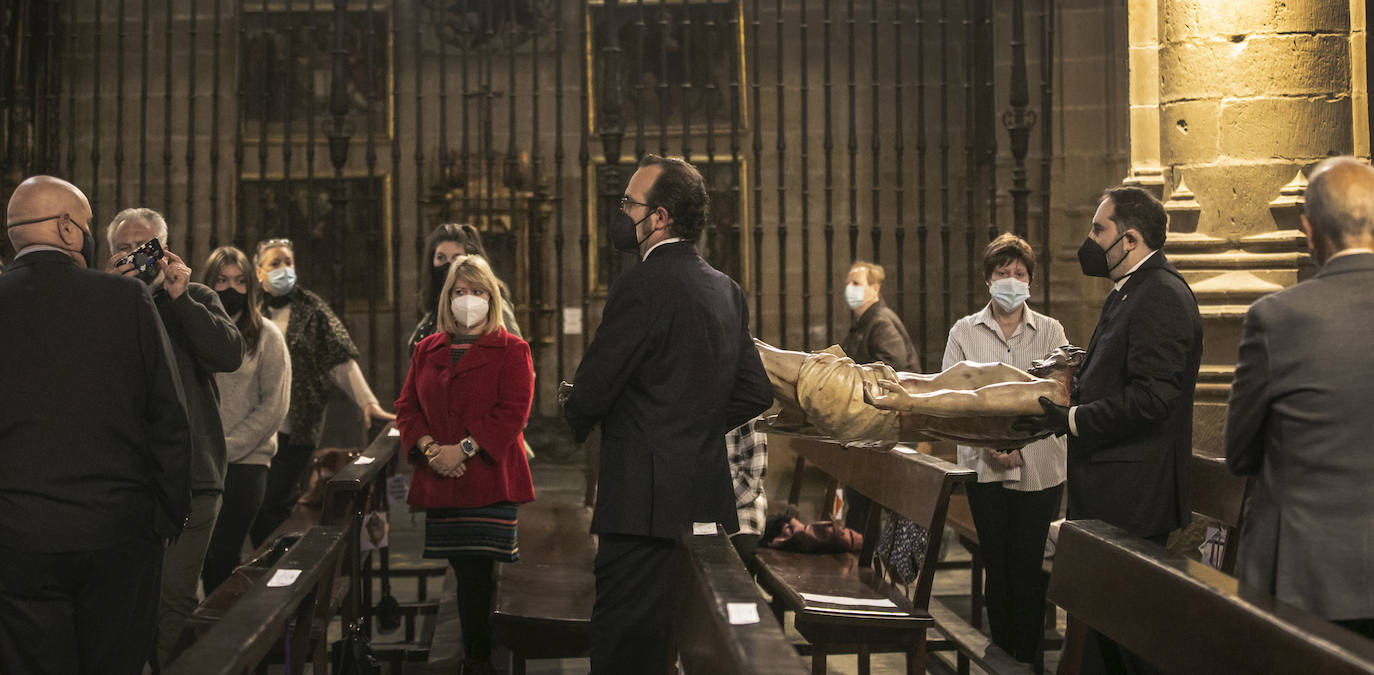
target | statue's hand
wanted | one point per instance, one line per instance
(886, 395)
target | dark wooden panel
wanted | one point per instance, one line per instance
(255, 623)
(708, 643)
(1186, 617)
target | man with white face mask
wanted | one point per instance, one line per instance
(205, 341)
(1017, 493)
(877, 335)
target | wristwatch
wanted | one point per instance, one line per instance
(469, 448)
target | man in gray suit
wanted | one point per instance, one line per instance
(1299, 417)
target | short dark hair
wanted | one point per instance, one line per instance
(681, 191)
(1007, 248)
(1137, 209)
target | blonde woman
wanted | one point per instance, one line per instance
(465, 400)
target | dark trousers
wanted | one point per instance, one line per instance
(1012, 526)
(83, 612)
(631, 629)
(1102, 656)
(475, 588)
(244, 486)
(288, 472)
(856, 517)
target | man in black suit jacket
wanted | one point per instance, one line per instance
(95, 448)
(1131, 428)
(1299, 414)
(672, 369)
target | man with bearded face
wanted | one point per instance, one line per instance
(1298, 419)
(1130, 425)
(205, 341)
(95, 447)
(671, 370)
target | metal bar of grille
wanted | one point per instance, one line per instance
(781, 146)
(758, 177)
(829, 146)
(804, 47)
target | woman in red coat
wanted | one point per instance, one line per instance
(465, 400)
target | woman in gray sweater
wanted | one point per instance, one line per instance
(253, 402)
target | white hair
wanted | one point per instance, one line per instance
(137, 214)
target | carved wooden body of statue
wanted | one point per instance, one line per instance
(827, 394)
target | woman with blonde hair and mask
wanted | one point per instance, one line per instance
(252, 406)
(460, 412)
(322, 354)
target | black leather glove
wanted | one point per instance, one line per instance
(1055, 420)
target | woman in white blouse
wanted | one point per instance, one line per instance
(1017, 493)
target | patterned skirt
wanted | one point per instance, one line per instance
(482, 532)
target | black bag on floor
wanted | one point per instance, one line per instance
(353, 654)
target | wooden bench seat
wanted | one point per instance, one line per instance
(873, 612)
(1185, 617)
(542, 605)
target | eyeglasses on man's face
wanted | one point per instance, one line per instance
(626, 203)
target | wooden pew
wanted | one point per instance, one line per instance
(713, 578)
(350, 495)
(907, 483)
(294, 615)
(542, 605)
(1185, 617)
(1216, 494)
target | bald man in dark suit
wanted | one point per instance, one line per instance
(94, 443)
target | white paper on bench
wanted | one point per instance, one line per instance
(394, 432)
(283, 577)
(742, 613)
(905, 450)
(364, 460)
(700, 529)
(841, 600)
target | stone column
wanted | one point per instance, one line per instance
(1143, 54)
(1251, 94)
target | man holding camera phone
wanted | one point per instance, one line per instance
(205, 341)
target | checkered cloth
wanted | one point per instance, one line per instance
(747, 450)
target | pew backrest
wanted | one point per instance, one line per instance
(1185, 617)
(259, 620)
(352, 481)
(910, 484)
(713, 579)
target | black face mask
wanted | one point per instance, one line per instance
(438, 274)
(233, 300)
(88, 249)
(1092, 258)
(624, 237)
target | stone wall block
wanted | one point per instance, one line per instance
(1180, 20)
(1269, 65)
(1144, 76)
(1234, 198)
(1286, 128)
(1190, 132)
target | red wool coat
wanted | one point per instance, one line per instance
(487, 395)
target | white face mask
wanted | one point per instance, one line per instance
(1010, 292)
(854, 296)
(469, 310)
(281, 281)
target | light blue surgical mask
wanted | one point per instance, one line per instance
(281, 281)
(854, 296)
(1010, 292)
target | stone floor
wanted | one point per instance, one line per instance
(561, 480)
